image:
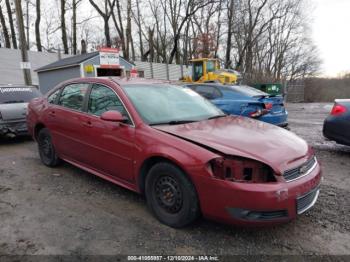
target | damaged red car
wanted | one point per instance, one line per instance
(178, 149)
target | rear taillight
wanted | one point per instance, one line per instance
(268, 106)
(241, 170)
(256, 113)
(338, 110)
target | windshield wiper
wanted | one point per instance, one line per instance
(217, 116)
(174, 122)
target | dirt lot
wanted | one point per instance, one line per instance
(68, 211)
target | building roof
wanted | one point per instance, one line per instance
(68, 62)
(71, 61)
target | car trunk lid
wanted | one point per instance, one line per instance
(275, 104)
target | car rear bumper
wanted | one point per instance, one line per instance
(335, 130)
(257, 204)
(13, 128)
(280, 119)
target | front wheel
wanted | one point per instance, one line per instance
(171, 195)
(47, 151)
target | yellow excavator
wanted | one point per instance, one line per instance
(206, 70)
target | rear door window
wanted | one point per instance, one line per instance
(209, 92)
(10, 95)
(52, 99)
(247, 90)
(72, 96)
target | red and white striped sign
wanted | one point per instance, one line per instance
(109, 57)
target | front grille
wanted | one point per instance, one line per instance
(300, 171)
(307, 201)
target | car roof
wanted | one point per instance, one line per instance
(121, 81)
(219, 85)
(16, 86)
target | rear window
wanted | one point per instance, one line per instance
(248, 90)
(9, 95)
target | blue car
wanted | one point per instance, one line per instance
(245, 101)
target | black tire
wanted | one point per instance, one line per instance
(171, 196)
(47, 151)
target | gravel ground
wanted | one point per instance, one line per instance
(66, 211)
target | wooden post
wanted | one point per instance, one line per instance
(167, 70)
(151, 67)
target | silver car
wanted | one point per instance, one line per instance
(13, 109)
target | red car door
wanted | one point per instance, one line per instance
(64, 122)
(110, 145)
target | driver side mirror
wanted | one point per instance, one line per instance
(113, 116)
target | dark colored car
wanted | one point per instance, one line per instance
(178, 149)
(337, 125)
(13, 109)
(245, 101)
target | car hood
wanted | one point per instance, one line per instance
(16, 111)
(241, 136)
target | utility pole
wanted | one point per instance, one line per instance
(23, 44)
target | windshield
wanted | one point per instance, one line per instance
(9, 95)
(210, 66)
(168, 104)
(248, 90)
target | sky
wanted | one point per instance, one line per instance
(331, 33)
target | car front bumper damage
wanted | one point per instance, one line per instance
(13, 129)
(258, 204)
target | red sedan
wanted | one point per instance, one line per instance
(178, 149)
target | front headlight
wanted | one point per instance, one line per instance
(237, 169)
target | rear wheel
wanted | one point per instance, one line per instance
(47, 151)
(171, 195)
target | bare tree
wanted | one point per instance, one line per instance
(138, 20)
(12, 27)
(83, 46)
(230, 16)
(118, 24)
(178, 21)
(208, 31)
(74, 26)
(63, 27)
(106, 14)
(75, 4)
(128, 31)
(4, 29)
(37, 26)
(264, 39)
(219, 24)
